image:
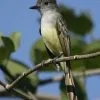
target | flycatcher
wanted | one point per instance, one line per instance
(54, 32)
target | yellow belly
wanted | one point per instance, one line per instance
(51, 40)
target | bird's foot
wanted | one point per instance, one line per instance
(54, 60)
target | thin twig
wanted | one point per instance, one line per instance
(50, 61)
(87, 73)
(31, 95)
(42, 96)
(50, 80)
(56, 79)
(18, 92)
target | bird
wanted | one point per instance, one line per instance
(54, 33)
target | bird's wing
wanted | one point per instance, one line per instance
(63, 36)
(65, 44)
(49, 52)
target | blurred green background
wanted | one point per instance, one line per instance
(21, 47)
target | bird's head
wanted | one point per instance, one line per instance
(44, 4)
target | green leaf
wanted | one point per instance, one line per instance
(15, 37)
(16, 68)
(79, 24)
(81, 93)
(6, 47)
(77, 47)
(93, 62)
(92, 47)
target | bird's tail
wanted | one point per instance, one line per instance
(69, 81)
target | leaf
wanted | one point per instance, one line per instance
(6, 47)
(77, 47)
(93, 62)
(39, 53)
(15, 37)
(92, 47)
(81, 93)
(16, 68)
(79, 24)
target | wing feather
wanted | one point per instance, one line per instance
(63, 36)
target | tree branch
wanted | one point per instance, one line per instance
(87, 73)
(54, 79)
(47, 97)
(50, 80)
(14, 91)
(50, 61)
(75, 74)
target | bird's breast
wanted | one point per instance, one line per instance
(50, 37)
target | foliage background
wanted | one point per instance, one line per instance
(15, 16)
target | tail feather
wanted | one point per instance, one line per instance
(64, 67)
(69, 81)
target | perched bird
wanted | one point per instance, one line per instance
(53, 30)
(54, 33)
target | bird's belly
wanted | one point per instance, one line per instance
(51, 39)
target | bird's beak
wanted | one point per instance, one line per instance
(34, 7)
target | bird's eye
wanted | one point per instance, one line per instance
(46, 3)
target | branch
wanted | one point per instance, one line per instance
(18, 92)
(54, 79)
(75, 74)
(39, 96)
(31, 95)
(50, 61)
(47, 97)
(50, 80)
(88, 73)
